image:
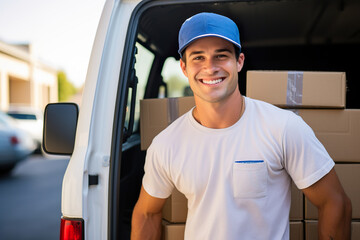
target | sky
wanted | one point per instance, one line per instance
(61, 31)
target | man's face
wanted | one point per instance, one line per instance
(212, 68)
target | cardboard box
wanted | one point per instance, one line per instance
(176, 231)
(175, 208)
(297, 203)
(172, 231)
(156, 114)
(349, 176)
(311, 231)
(338, 130)
(298, 89)
(296, 230)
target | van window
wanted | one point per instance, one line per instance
(144, 60)
(177, 83)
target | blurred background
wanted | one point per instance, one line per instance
(45, 47)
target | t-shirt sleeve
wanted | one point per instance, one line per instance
(305, 158)
(156, 180)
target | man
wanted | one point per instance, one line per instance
(234, 157)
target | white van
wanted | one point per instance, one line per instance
(135, 57)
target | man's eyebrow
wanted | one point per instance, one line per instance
(195, 53)
(223, 50)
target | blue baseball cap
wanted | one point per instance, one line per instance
(208, 25)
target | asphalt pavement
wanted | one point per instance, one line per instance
(30, 199)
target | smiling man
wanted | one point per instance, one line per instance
(212, 70)
(234, 157)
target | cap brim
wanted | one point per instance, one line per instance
(180, 51)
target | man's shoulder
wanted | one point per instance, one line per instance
(265, 107)
(172, 133)
(270, 115)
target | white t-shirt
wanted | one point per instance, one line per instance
(236, 179)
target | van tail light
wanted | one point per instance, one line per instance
(72, 229)
(14, 140)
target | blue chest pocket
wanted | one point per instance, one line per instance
(249, 178)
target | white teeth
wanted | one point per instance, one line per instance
(212, 81)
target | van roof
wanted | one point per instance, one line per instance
(307, 22)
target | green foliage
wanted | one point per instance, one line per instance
(65, 88)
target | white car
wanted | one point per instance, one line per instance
(15, 143)
(30, 120)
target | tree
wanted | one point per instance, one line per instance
(65, 88)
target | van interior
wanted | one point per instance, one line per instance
(302, 35)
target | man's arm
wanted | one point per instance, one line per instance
(333, 205)
(146, 218)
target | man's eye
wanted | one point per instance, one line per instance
(221, 56)
(198, 58)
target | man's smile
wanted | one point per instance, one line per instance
(212, 81)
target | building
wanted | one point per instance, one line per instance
(24, 80)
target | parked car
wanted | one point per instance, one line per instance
(103, 178)
(15, 143)
(30, 120)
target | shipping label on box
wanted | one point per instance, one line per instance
(156, 114)
(349, 176)
(294, 89)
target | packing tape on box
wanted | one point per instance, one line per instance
(294, 88)
(296, 111)
(173, 109)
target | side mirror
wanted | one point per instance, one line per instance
(60, 122)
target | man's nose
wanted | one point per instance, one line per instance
(210, 66)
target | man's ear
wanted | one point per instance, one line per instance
(183, 67)
(240, 62)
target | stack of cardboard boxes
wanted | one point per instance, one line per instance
(156, 115)
(319, 98)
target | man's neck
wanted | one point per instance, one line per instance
(219, 115)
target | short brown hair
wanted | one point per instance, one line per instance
(237, 54)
